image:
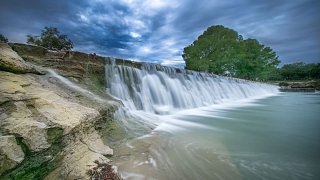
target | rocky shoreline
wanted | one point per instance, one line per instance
(49, 130)
(299, 86)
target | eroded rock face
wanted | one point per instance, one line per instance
(81, 156)
(61, 112)
(12, 62)
(11, 153)
(53, 121)
(29, 110)
(32, 110)
(95, 144)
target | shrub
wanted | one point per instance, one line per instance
(3, 39)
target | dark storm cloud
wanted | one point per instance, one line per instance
(158, 30)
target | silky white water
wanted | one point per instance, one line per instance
(151, 91)
(162, 90)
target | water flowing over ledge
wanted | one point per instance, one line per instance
(162, 90)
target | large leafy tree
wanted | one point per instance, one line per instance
(223, 51)
(51, 39)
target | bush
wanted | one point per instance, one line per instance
(3, 39)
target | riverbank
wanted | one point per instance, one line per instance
(52, 128)
(298, 86)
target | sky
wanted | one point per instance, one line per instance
(158, 30)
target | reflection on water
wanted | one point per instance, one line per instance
(273, 138)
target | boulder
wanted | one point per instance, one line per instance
(10, 61)
(11, 153)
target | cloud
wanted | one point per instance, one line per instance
(158, 30)
(135, 34)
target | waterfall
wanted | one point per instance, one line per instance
(75, 87)
(162, 90)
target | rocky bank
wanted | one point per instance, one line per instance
(48, 128)
(299, 86)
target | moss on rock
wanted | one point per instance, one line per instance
(36, 165)
(54, 134)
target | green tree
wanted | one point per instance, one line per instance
(314, 71)
(51, 39)
(223, 51)
(3, 39)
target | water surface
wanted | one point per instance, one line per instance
(273, 138)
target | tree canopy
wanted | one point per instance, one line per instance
(51, 39)
(3, 39)
(223, 51)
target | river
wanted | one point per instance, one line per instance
(276, 137)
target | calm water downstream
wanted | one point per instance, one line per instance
(273, 138)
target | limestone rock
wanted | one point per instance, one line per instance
(11, 154)
(64, 113)
(35, 109)
(12, 62)
(77, 162)
(95, 144)
(44, 113)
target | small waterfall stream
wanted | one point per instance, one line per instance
(75, 87)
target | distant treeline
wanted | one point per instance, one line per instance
(297, 71)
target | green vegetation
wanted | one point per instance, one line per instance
(36, 165)
(298, 75)
(3, 39)
(298, 71)
(51, 39)
(223, 51)
(54, 134)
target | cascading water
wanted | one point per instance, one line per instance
(192, 125)
(151, 91)
(165, 90)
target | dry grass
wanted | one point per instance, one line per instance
(103, 171)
